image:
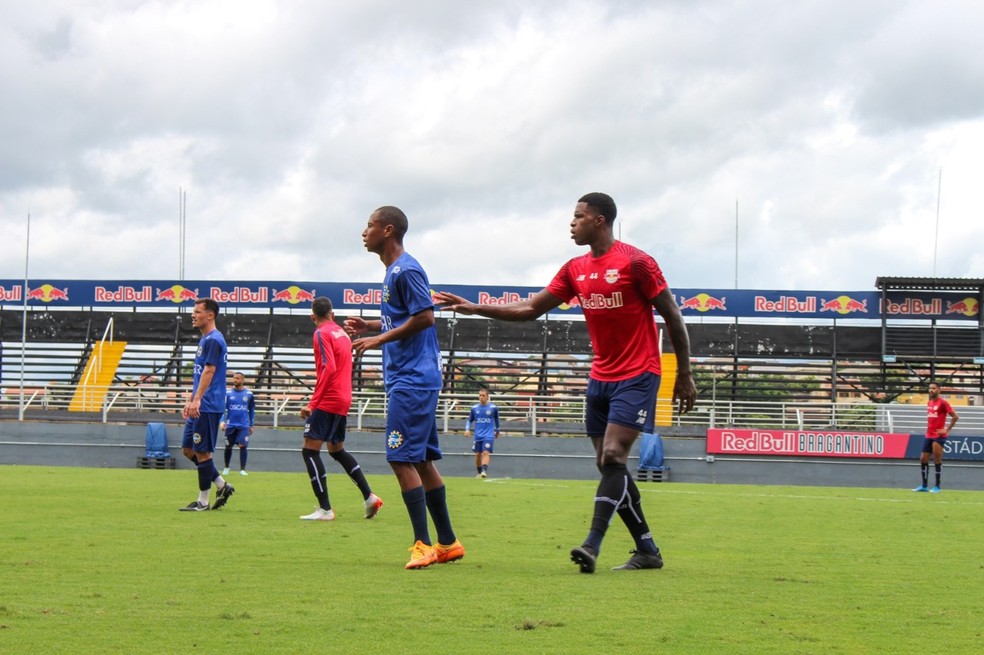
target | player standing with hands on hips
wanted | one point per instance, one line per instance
(937, 409)
(484, 420)
(412, 377)
(618, 286)
(238, 421)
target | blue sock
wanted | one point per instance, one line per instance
(242, 459)
(417, 509)
(437, 503)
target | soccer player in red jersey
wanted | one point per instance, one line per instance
(618, 286)
(326, 413)
(937, 409)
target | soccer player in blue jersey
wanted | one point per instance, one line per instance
(204, 407)
(484, 419)
(238, 421)
(412, 376)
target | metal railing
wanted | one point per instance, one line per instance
(521, 414)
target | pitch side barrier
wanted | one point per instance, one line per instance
(115, 445)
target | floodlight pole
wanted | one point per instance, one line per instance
(27, 259)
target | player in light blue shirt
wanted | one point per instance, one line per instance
(483, 419)
(412, 375)
(238, 421)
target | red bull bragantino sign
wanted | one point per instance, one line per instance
(834, 443)
(806, 443)
(354, 296)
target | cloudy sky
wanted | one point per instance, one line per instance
(818, 129)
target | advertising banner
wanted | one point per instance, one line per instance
(724, 303)
(809, 443)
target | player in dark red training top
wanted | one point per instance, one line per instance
(617, 286)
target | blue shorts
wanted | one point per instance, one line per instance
(238, 436)
(200, 434)
(631, 403)
(483, 446)
(929, 441)
(325, 426)
(411, 426)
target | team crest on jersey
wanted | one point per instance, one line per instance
(386, 293)
(611, 276)
(394, 440)
(197, 438)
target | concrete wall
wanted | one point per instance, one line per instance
(120, 445)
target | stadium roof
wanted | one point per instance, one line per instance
(930, 284)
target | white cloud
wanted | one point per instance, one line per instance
(289, 122)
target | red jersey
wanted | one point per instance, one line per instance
(936, 413)
(333, 363)
(616, 292)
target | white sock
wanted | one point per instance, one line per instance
(220, 482)
(203, 497)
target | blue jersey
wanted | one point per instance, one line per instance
(483, 420)
(413, 362)
(212, 352)
(240, 408)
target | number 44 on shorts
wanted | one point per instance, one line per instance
(641, 419)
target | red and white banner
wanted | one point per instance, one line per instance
(807, 443)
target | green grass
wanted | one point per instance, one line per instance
(101, 561)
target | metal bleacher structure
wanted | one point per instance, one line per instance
(98, 365)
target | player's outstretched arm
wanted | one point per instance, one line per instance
(685, 390)
(357, 326)
(522, 310)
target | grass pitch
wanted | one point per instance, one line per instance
(101, 561)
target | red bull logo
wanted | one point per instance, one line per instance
(914, 307)
(292, 295)
(966, 307)
(844, 305)
(486, 298)
(124, 294)
(575, 302)
(703, 302)
(786, 305)
(13, 294)
(47, 293)
(176, 294)
(239, 295)
(370, 297)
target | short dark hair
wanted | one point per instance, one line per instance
(210, 305)
(602, 204)
(389, 215)
(321, 307)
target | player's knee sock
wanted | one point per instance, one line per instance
(437, 504)
(228, 454)
(353, 469)
(204, 480)
(924, 471)
(630, 511)
(611, 490)
(939, 473)
(319, 479)
(242, 458)
(417, 509)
